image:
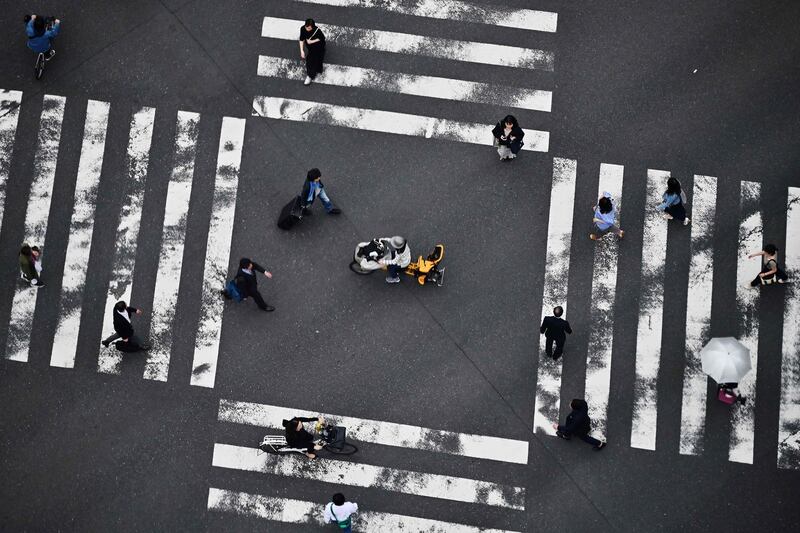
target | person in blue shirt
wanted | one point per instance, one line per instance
(674, 201)
(604, 218)
(39, 37)
(312, 188)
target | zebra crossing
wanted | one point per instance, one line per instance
(703, 201)
(439, 88)
(359, 472)
(76, 264)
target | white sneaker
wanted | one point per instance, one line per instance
(390, 279)
(686, 221)
(308, 81)
(666, 216)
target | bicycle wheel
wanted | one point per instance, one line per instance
(355, 267)
(346, 449)
(38, 68)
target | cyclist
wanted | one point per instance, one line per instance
(40, 37)
(298, 437)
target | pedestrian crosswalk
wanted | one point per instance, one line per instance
(361, 472)
(502, 99)
(77, 268)
(703, 199)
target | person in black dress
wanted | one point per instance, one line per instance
(313, 39)
(770, 271)
(298, 437)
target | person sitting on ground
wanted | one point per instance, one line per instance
(401, 258)
(298, 437)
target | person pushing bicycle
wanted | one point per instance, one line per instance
(40, 34)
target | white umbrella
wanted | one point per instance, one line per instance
(725, 359)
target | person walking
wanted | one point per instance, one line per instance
(605, 215)
(339, 511)
(508, 138)
(123, 328)
(400, 258)
(312, 188)
(578, 423)
(247, 283)
(674, 202)
(314, 40)
(770, 272)
(555, 329)
(30, 265)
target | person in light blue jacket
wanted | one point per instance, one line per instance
(40, 37)
(605, 218)
(674, 202)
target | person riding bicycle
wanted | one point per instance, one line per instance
(40, 37)
(298, 437)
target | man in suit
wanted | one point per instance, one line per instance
(123, 328)
(248, 284)
(555, 329)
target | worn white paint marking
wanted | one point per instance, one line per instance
(9, 116)
(651, 316)
(698, 315)
(524, 19)
(120, 284)
(384, 433)
(789, 417)
(604, 289)
(218, 250)
(396, 82)
(173, 237)
(81, 226)
(418, 45)
(363, 475)
(386, 122)
(37, 213)
(743, 422)
(559, 239)
(312, 513)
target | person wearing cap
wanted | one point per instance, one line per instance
(400, 258)
(248, 284)
(312, 188)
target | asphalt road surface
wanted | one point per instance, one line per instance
(165, 137)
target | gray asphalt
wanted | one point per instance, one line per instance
(81, 451)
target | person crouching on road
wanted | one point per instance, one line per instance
(312, 188)
(400, 258)
(508, 138)
(298, 437)
(248, 284)
(578, 423)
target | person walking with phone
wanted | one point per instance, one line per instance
(312, 49)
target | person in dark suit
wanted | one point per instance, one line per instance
(578, 423)
(123, 328)
(248, 284)
(555, 329)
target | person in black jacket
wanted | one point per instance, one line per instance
(248, 284)
(508, 138)
(578, 423)
(123, 328)
(555, 329)
(298, 437)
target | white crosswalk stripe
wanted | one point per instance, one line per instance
(9, 116)
(359, 472)
(525, 19)
(386, 122)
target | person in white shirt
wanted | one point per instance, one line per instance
(401, 257)
(339, 512)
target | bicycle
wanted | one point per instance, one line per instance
(331, 437)
(38, 67)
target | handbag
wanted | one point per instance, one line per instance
(725, 396)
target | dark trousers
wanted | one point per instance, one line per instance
(548, 346)
(588, 439)
(259, 300)
(394, 271)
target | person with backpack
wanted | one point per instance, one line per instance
(246, 284)
(578, 423)
(339, 511)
